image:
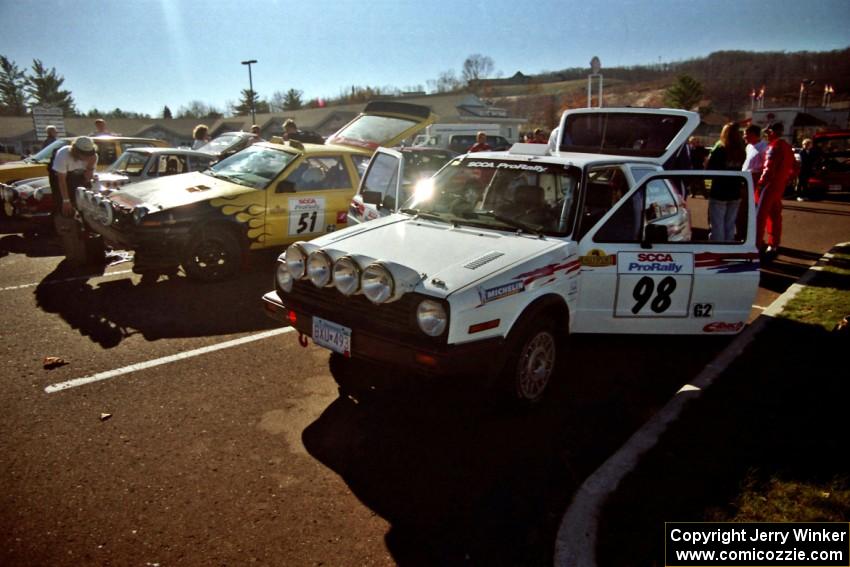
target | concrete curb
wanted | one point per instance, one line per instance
(575, 545)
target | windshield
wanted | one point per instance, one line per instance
(255, 166)
(500, 194)
(44, 155)
(220, 144)
(130, 163)
(624, 134)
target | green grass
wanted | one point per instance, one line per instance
(767, 442)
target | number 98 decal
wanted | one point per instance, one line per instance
(653, 296)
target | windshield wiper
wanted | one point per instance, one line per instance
(422, 215)
(509, 221)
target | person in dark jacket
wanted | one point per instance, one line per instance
(808, 157)
(727, 154)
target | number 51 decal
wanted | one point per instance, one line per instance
(306, 215)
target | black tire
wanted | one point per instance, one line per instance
(212, 255)
(533, 347)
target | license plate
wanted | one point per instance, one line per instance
(332, 336)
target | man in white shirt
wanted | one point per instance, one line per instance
(756, 152)
(73, 165)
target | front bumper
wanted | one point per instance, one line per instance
(483, 357)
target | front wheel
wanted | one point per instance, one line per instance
(212, 255)
(534, 349)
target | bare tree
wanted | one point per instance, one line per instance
(476, 67)
(445, 83)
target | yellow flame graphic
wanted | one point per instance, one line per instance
(248, 211)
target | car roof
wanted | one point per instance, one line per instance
(316, 149)
(574, 159)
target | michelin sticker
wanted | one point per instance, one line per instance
(654, 284)
(500, 292)
(306, 215)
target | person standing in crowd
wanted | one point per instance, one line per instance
(779, 165)
(255, 130)
(200, 136)
(100, 128)
(756, 149)
(808, 157)
(73, 166)
(539, 137)
(725, 198)
(51, 133)
(480, 144)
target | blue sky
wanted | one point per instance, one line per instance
(141, 55)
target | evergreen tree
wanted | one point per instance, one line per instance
(166, 113)
(292, 99)
(685, 93)
(44, 88)
(13, 98)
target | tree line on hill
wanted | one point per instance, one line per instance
(726, 78)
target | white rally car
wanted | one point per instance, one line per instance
(501, 255)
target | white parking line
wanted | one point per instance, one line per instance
(164, 360)
(64, 280)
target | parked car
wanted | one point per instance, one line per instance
(832, 168)
(266, 195)
(500, 256)
(227, 144)
(32, 200)
(29, 197)
(390, 178)
(109, 148)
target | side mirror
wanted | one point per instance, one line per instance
(389, 202)
(372, 198)
(285, 186)
(653, 234)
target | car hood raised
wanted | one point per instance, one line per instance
(175, 191)
(444, 257)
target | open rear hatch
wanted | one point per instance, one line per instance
(383, 123)
(648, 134)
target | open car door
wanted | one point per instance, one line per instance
(379, 191)
(654, 264)
(383, 123)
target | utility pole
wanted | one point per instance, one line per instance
(251, 88)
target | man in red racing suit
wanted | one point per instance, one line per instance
(779, 166)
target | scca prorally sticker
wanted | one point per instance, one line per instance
(306, 215)
(655, 263)
(505, 165)
(500, 292)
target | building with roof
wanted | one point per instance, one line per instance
(18, 136)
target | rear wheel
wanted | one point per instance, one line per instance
(212, 255)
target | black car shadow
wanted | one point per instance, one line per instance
(464, 481)
(109, 311)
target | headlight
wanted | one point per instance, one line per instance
(347, 276)
(377, 283)
(10, 194)
(40, 193)
(284, 277)
(431, 316)
(319, 268)
(296, 261)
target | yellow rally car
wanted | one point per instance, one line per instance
(108, 150)
(267, 195)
